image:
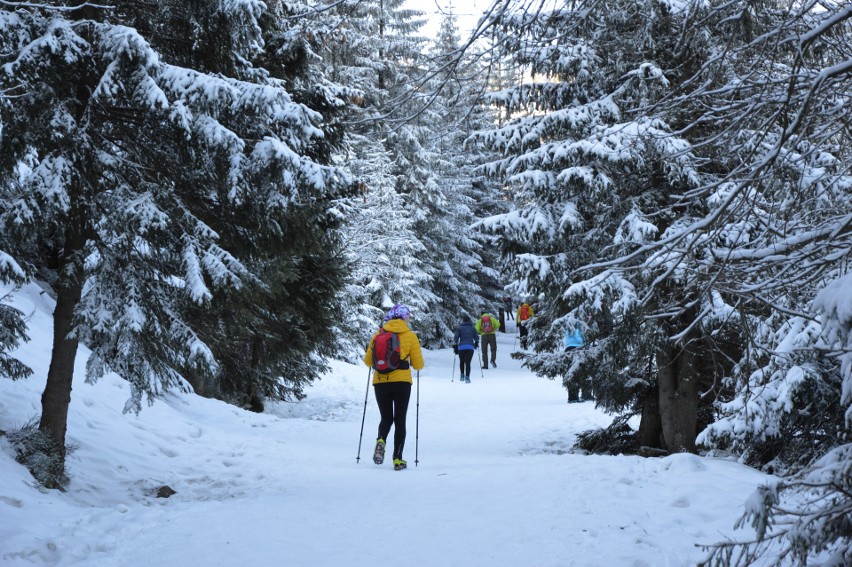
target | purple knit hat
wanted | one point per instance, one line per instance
(398, 311)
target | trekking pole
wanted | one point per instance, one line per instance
(453, 377)
(417, 423)
(361, 436)
(481, 373)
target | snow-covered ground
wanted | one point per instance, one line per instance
(496, 484)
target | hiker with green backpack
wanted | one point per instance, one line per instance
(487, 327)
(393, 351)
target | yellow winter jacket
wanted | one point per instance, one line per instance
(409, 349)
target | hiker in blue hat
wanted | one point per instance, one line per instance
(465, 342)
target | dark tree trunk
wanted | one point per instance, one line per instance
(650, 432)
(255, 399)
(57, 392)
(677, 377)
(196, 381)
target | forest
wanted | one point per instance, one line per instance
(223, 196)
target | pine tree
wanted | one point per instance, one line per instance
(365, 45)
(13, 327)
(774, 222)
(274, 337)
(136, 168)
(470, 283)
(384, 252)
(589, 173)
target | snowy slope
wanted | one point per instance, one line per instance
(495, 484)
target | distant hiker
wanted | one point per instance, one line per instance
(507, 303)
(486, 326)
(573, 340)
(397, 350)
(505, 311)
(524, 314)
(465, 342)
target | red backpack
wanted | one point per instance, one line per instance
(487, 326)
(525, 312)
(386, 356)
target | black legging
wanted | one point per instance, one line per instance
(523, 332)
(392, 399)
(465, 356)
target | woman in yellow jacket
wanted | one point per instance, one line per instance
(393, 389)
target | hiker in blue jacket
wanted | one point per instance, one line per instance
(573, 340)
(465, 342)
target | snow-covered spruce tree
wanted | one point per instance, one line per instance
(13, 327)
(467, 281)
(766, 232)
(273, 338)
(398, 121)
(130, 161)
(384, 252)
(363, 45)
(591, 175)
(472, 113)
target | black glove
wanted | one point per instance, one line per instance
(455, 349)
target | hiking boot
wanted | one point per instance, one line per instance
(379, 453)
(399, 464)
(494, 364)
(467, 379)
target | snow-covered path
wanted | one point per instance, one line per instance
(494, 486)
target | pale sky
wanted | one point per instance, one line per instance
(468, 13)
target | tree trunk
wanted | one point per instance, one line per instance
(650, 425)
(57, 392)
(196, 382)
(677, 379)
(573, 393)
(255, 398)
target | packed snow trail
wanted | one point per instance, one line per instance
(495, 484)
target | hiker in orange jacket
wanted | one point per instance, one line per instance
(524, 314)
